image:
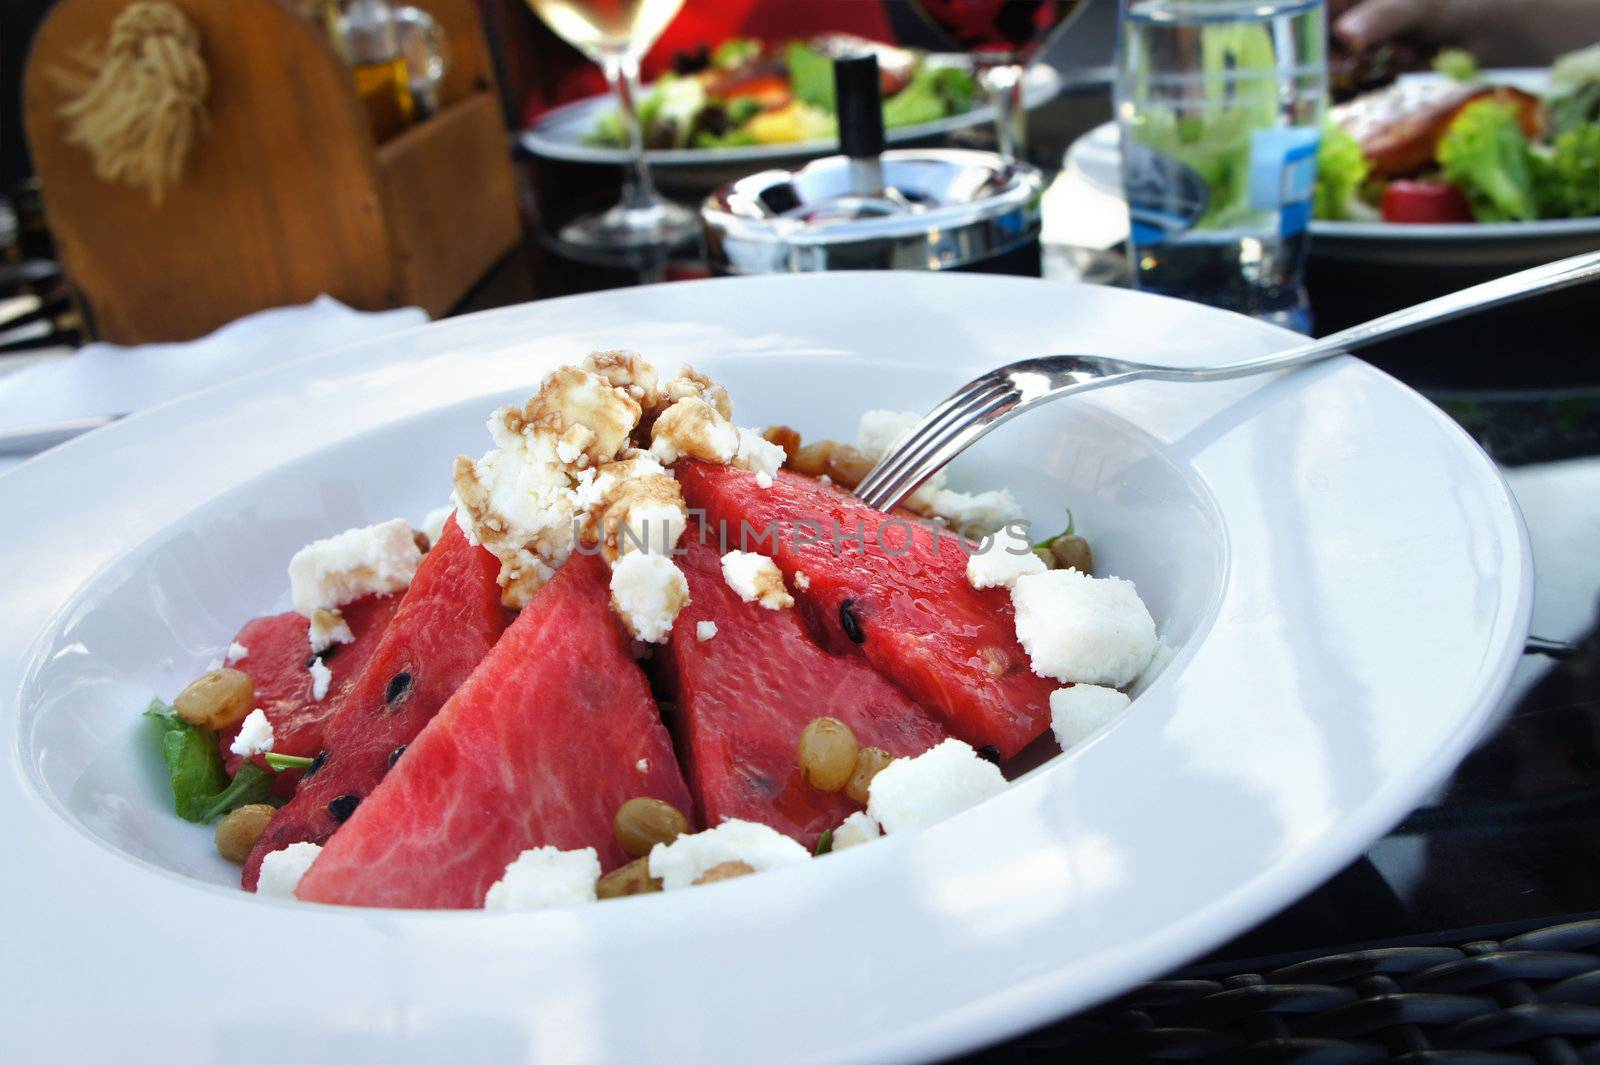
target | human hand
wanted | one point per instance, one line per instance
(1496, 32)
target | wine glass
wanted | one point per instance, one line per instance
(1002, 36)
(616, 34)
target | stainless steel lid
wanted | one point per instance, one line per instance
(936, 209)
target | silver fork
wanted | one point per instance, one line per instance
(1000, 395)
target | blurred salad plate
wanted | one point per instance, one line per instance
(761, 105)
(1496, 168)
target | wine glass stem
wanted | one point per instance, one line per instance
(622, 72)
(1003, 84)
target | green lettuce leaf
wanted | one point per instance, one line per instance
(930, 94)
(1485, 153)
(1568, 180)
(201, 790)
(1341, 168)
(810, 76)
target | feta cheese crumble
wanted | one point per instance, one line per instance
(758, 455)
(683, 861)
(877, 434)
(321, 677)
(705, 630)
(1006, 556)
(326, 574)
(763, 479)
(1081, 629)
(237, 652)
(913, 793)
(976, 513)
(858, 828)
(543, 877)
(647, 591)
(1078, 711)
(802, 580)
(327, 628)
(255, 735)
(756, 579)
(642, 765)
(281, 870)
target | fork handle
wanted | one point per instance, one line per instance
(1524, 283)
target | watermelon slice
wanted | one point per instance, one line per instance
(279, 662)
(553, 732)
(445, 623)
(898, 593)
(742, 697)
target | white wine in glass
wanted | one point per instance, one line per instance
(616, 34)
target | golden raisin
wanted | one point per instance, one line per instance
(812, 459)
(847, 465)
(631, 879)
(238, 832)
(725, 871)
(642, 823)
(869, 763)
(1072, 552)
(218, 700)
(785, 438)
(827, 753)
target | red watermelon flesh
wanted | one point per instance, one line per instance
(445, 623)
(554, 731)
(742, 698)
(279, 661)
(949, 646)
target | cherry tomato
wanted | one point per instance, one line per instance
(1424, 201)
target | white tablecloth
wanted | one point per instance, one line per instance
(109, 379)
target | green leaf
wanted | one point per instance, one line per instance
(1341, 168)
(287, 761)
(735, 51)
(251, 784)
(811, 76)
(1457, 64)
(194, 767)
(1068, 531)
(824, 843)
(1486, 154)
(201, 790)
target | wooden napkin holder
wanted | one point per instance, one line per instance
(285, 195)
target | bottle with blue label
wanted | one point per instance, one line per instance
(1220, 104)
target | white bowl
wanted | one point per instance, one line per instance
(1341, 574)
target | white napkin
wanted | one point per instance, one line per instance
(109, 379)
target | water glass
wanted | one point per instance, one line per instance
(1221, 104)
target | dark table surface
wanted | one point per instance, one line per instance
(1513, 838)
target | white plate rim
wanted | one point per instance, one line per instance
(1024, 1006)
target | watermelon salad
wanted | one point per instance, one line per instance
(643, 648)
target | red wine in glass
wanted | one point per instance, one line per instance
(1001, 36)
(1004, 28)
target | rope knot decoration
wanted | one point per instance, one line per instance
(138, 114)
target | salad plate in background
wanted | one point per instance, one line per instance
(1523, 227)
(1342, 615)
(765, 106)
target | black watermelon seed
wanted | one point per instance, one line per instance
(394, 755)
(317, 762)
(324, 654)
(989, 753)
(852, 624)
(398, 688)
(341, 808)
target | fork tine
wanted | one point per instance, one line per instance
(934, 450)
(969, 396)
